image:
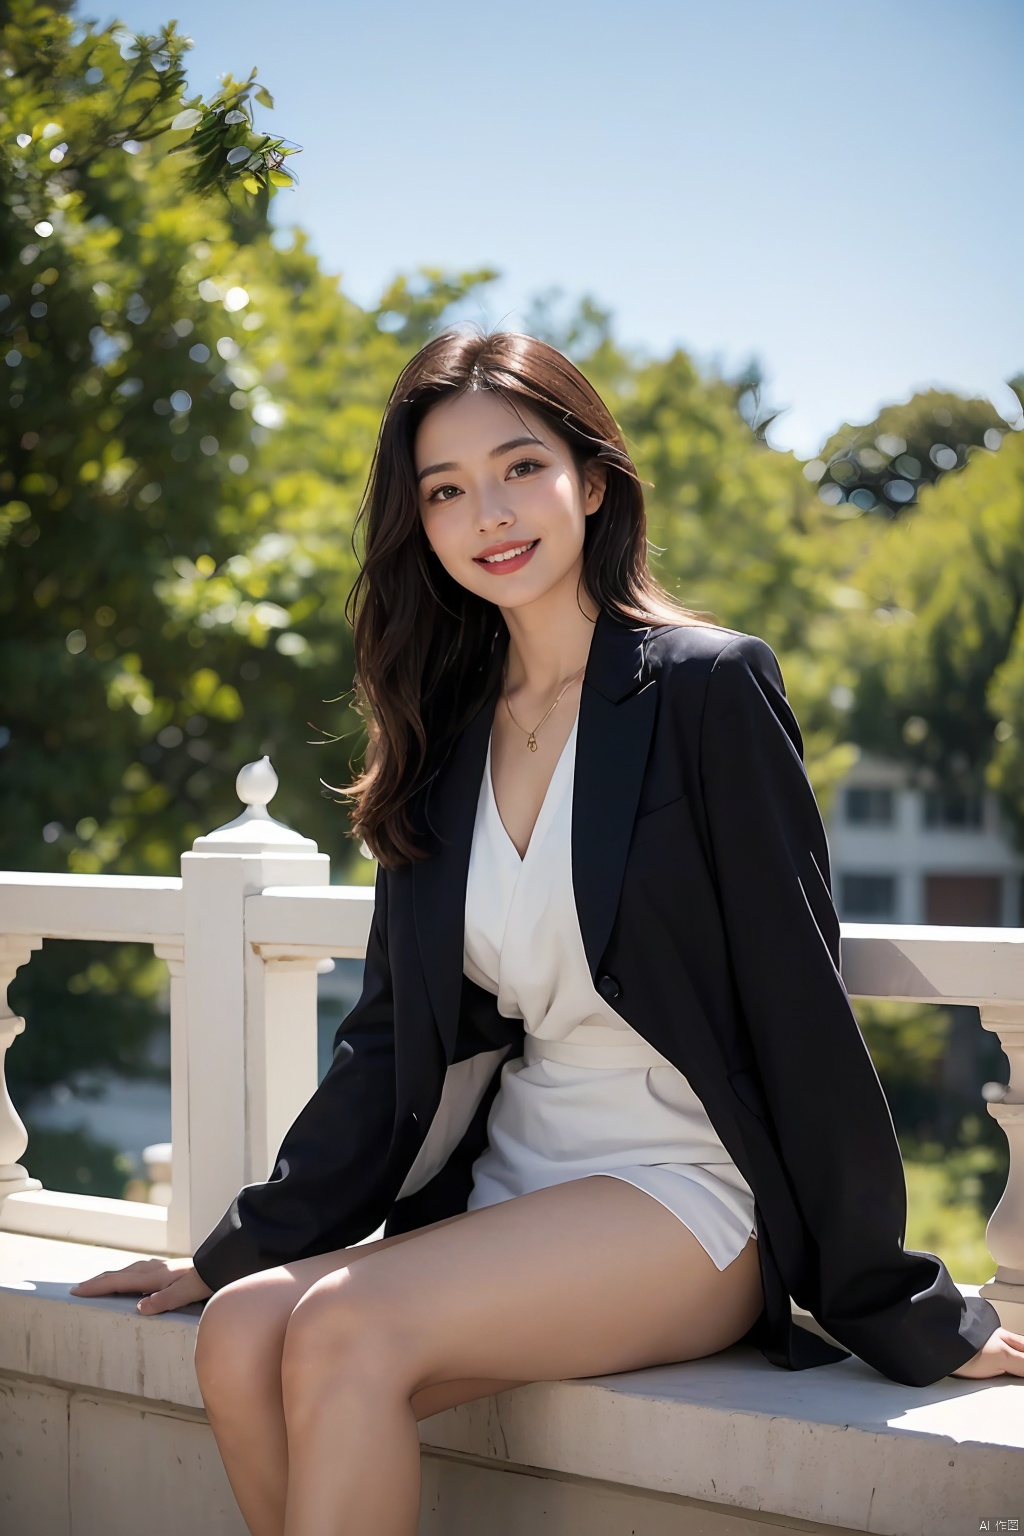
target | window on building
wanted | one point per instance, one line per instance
(952, 808)
(869, 807)
(867, 897)
(963, 900)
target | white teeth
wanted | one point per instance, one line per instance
(507, 554)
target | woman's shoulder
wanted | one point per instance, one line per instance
(708, 673)
(696, 649)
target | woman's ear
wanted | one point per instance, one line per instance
(595, 484)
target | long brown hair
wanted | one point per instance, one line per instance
(424, 644)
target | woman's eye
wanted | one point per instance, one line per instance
(438, 494)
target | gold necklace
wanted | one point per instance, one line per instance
(531, 740)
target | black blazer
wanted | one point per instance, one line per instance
(702, 884)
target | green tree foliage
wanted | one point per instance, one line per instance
(881, 467)
(188, 416)
(936, 645)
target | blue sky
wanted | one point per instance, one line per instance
(832, 188)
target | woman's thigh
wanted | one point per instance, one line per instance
(580, 1279)
(256, 1308)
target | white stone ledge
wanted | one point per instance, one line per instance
(89, 1220)
(838, 1445)
(101, 1342)
(107, 908)
(331, 920)
(927, 963)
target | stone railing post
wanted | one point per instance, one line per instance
(243, 1076)
(281, 1008)
(14, 1179)
(172, 952)
(1005, 1231)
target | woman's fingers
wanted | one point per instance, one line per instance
(163, 1284)
(1002, 1354)
(145, 1275)
(165, 1300)
(182, 1292)
(1014, 1343)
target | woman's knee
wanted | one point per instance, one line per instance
(241, 1330)
(343, 1328)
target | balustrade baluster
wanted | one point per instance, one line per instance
(1005, 1231)
(15, 951)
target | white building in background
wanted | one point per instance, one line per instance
(905, 854)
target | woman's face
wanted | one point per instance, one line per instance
(491, 481)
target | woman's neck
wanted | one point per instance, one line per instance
(548, 643)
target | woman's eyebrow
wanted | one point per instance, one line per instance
(515, 442)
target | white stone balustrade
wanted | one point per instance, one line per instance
(107, 908)
(244, 932)
(983, 967)
(243, 1017)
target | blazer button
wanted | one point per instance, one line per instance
(608, 986)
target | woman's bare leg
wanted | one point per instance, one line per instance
(239, 1356)
(585, 1278)
(238, 1363)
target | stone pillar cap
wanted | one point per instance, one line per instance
(255, 831)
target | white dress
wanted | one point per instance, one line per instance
(589, 1095)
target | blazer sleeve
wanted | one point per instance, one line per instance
(898, 1309)
(330, 1185)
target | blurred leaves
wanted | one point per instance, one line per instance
(72, 92)
(948, 1207)
(936, 646)
(190, 407)
(883, 466)
(101, 1004)
(224, 147)
(73, 1160)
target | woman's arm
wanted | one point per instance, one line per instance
(898, 1310)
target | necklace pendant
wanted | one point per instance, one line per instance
(531, 742)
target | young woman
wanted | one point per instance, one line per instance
(603, 1083)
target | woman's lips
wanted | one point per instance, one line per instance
(499, 567)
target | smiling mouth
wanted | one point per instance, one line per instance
(507, 554)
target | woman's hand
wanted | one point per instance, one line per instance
(1002, 1354)
(164, 1284)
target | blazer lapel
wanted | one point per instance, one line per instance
(439, 882)
(616, 719)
